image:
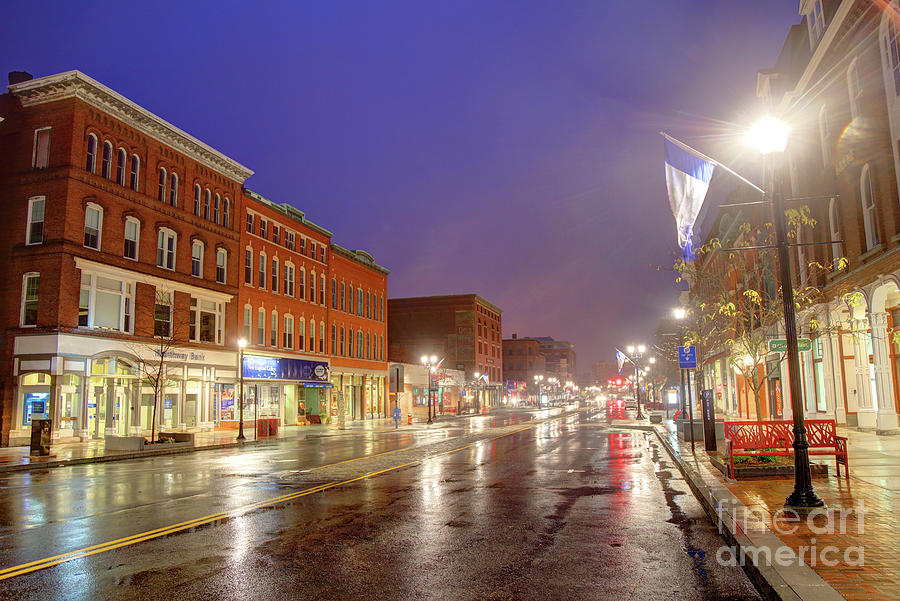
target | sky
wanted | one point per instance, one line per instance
(509, 149)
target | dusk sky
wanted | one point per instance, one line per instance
(504, 148)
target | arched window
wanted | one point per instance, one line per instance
(217, 205)
(90, 163)
(161, 187)
(301, 334)
(273, 330)
(135, 172)
(834, 228)
(121, 159)
(197, 259)
(892, 50)
(302, 279)
(321, 336)
(206, 197)
(288, 334)
(221, 265)
(825, 136)
(93, 225)
(261, 327)
(312, 335)
(132, 238)
(106, 165)
(173, 190)
(867, 198)
(854, 88)
(275, 273)
(165, 249)
(312, 286)
(197, 200)
(226, 213)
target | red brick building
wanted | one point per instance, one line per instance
(120, 232)
(463, 329)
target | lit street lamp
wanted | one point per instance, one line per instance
(242, 344)
(430, 363)
(636, 352)
(770, 137)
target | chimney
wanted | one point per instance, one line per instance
(18, 77)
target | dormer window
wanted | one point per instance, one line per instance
(815, 21)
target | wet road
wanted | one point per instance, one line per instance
(565, 509)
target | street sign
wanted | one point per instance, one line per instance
(687, 357)
(779, 345)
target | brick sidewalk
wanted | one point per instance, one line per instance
(874, 481)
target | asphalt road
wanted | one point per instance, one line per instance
(490, 508)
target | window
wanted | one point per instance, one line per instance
(162, 315)
(90, 163)
(334, 296)
(289, 240)
(221, 265)
(892, 49)
(368, 346)
(135, 173)
(289, 279)
(351, 299)
(349, 342)
(322, 253)
(226, 213)
(302, 295)
(368, 308)
(249, 223)
(273, 333)
(275, 232)
(197, 259)
(261, 327)
(263, 227)
(207, 319)
(312, 287)
(288, 332)
(261, 280)
(833, 222)
(274, 274)
(824, 137)
(302, 246)
(342, 341)
(106, 163)
(381, 348)
(815, 21)
(312, 336)
(359, 302)
(93, 222)
(359, 344)
(132, 236)
(165, 249)
(867, 197)
(322, 290)
(217, 208)
(301, 334)
(207, 195)
(854, 88)
(333, 339)
(105, 303)
(36, 220)
(161, 185)
(121, 159)
(173, 190)
(248, 312)
(248, 267)
(343, 297)
(380, 308)
(197, 194)
(40, 156)
(321, 336)
(312, 249)
(30, 285)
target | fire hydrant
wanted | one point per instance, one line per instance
(409, 419)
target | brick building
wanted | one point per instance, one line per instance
(120, 233)
(127, 240)
(463, 329)
(560, 358)
(522, 361)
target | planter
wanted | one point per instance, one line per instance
(766, 471)
(139, 443)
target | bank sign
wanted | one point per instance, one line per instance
(283, 368)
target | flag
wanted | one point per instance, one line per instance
(620, 359)
(687, 179)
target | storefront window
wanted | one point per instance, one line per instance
(819, 375)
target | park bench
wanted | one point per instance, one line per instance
(764, 438)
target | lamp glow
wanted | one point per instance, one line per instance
(768, 135)
(679, 313)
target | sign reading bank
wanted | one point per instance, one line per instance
(284, 368)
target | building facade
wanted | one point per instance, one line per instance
(464, 330)
(522, 363)
(560, 358)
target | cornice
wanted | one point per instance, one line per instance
(75, 84)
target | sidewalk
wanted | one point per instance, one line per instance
(73, 453)
(872, 568)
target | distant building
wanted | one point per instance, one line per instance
(462, 329)
(601, 371)
(560, 358)
(522, 361)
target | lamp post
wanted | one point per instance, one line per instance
(770, 136)
(636, 352)
(429, 363)
(538, 382)
(242, 344)
(651, 389)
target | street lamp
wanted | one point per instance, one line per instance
(770, 136)
(538, 380)
(636, 352)
(430, 363)
(242, 344)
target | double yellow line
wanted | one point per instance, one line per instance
(48, 562)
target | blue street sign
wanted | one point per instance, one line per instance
(687, 357)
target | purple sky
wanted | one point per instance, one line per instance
(503, 148)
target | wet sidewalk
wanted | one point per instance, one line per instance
(862, 560)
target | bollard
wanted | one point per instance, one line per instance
(409, 419)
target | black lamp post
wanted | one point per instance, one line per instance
(636, 353)
(242, 343)
(429, 363)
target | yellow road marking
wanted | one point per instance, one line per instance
(47, 562)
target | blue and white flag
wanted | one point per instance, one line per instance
(621, 358)
(687, 178)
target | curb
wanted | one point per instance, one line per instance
(774, 582)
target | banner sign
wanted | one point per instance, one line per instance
(284, 368)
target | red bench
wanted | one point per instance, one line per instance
(755, 439)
